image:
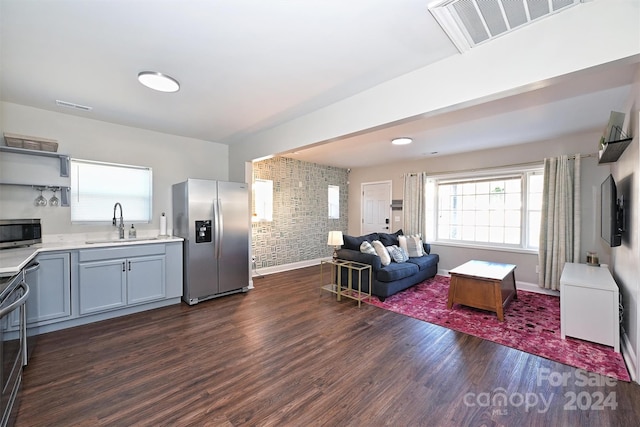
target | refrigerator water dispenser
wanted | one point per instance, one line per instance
(203, 231)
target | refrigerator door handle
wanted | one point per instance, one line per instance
(217, 218)
(220, 230)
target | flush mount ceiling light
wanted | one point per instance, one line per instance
(158, 81)
(401, 141)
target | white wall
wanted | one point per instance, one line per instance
(172, 158)
(626, 269)
(452, 256)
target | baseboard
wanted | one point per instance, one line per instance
(256, 273)
(533, 287)
(630, 357)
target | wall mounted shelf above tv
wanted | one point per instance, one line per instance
(614, 140)
(613, 150)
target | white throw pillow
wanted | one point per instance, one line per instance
(412, 244)
(366, 248)
(385, 258)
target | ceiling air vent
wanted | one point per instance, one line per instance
(469, 23)
(73, 105)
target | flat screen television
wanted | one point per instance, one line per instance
(611, 213)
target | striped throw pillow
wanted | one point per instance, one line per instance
(412, 244)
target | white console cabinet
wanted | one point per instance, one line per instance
(589, 304)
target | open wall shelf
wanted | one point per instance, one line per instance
(613, 150)
(64, 159)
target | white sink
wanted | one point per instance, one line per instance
(137, 239)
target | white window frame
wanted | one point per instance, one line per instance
(262, 200)
(97, 186)
(333, 196)
(432, 207)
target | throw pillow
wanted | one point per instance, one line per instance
(412, 244)
(366, 248)
(385, 258)
(398, 254)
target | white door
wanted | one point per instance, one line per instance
(376, 207)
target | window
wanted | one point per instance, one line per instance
(262, 200)
(501, 210)
(96, 187)
(334, 202)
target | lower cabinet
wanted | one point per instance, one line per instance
(49, 290)
(145, 279)
(113, 278)
(80, 286)
(53, 293)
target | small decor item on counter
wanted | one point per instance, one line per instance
(132, 232)
(592, 259)
(163, 225)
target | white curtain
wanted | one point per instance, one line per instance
(413, 205)
(560, 224)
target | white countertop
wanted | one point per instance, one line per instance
(14, 260)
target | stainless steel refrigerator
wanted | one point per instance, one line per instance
(213, 218)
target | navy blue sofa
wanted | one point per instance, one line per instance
(395, 277)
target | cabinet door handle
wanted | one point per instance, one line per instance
(129, 265)
(123, 268)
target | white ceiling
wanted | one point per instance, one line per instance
(249, 65)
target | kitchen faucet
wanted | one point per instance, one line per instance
(121, 227)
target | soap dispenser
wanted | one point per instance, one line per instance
(132, 232)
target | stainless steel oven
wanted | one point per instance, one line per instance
(19, 232)
(13, 297)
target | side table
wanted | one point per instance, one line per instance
(347, 290)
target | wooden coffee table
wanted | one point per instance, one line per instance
(484, 285)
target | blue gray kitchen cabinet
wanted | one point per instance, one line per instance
(50, 292)
(117, 277)
(54, 289)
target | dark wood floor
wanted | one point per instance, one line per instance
(288, 354)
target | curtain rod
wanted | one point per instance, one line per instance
(571, 157)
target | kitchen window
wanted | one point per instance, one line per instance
(97, 186)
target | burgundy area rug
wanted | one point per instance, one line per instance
(531, 324)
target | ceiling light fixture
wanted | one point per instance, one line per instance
(401, 141)
(158, 81)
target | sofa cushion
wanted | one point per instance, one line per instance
(351, 242)
(425, 261)
(357, 256)
(382, 252)
(396, 271)
(390, 239)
